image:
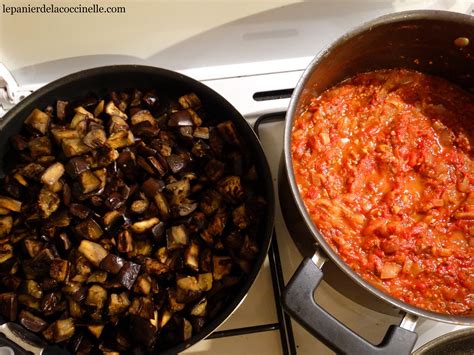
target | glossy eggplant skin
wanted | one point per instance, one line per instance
(101, 81)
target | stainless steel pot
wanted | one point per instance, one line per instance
(420, 40)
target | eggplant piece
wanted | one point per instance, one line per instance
(143, 331)
(143, 285)
(157, 165)
(113, 110)
(104, 156)
(190, 101)
(33, 246)
(142, 307)
(38, 121)
(75, 290)
(10, 204)
(146, 129)
(176, 163)
(198, 323)
(96, 330)
(179, 190)
(112, 263)
(197, 121)
(210, 202)
(80, 211)
(73, 147)
(93, 252)
(125, 242)
(186, 135)
(174, 305)
(188, 283)
(89, 182)
(48, 202)
(19, 142)
(120, 139)
(187, 330)
(59, 331)
(191, 256)
(142, 248)
(118, 303)
(240, 218)
(205, 281)
(99, 108)
(9, 305)
(215, 227)
(229, 133)
(113, 221)
(114, 201)
(142, 116)
(61, 108)
(11, 282)
(158, 231)
(65, 241)
(231, 188)
(165, 318)
(201, 132)
(200, 308)
(222, 265)
(177, 237)
(59, 270)
(150, 99)
(31, 322)
(128, 274)
(180, 119)
(154, 267)
(205, 262)
(29, 302)
(89, 229)
(139, 206)
(40, 146)
(117, 124)
(97, 277)
(96, 297)
(215, 141)
(52, 174)
(152, 186)
(76, 166)
(249, 249)
(95, 138)
(162, 204)
(6, 253)
(59, 134)
(234, 240)
(6, 224)
(50, 303)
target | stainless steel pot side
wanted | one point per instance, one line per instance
(420, 40)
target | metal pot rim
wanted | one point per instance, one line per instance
(291, 113)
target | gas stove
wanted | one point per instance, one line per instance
(258, 82)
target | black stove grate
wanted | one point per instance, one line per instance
(284, 322)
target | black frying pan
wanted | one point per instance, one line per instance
(99, 82)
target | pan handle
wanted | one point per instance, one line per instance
(299, 302)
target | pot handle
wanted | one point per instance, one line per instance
(299, 302)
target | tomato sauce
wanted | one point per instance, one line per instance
(384, 164)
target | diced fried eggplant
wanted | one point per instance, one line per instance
(205, 262)
(31, 322)
(239, 217)
(95, 138)
(142, 248)
(125, 242)
(128, 274)
(205, 281)
(222, 266)
(197, 121)
(215, 227)
(158, 231)
(75, 290)
(174, 305)
(154, 267)
(118, 303)
(188, 283)
(139, 206)
(9, 305)
(19, 142)
(38, 121)
(52, 174)
(76, 166)
(162, 204)
(89, 229)
(73, 147)
(143, 285)
(48, 202)
(50, 303)
(10, 204)
(200, 308)
(143, 331)
(96, 296)
(59, 270)
(117, 124)
(93, 252)
(104, 155)
(113, 221)
(97, 277)
(210, 202)
(152, 186)
(191, 256)
(29, 302)
(79, 210)
(61, 107)
(187, 330)
(6, 252)
(177, 237)
(190, 101)
(201, 132)
(249, 249)
(112, 263)
(59, 134)
(113, 110)
(95, 330)
(89, 182)
(120, 139)
(40, 146)
(179, 191)
(60, 330)
(142, 116)
(99, 108)
(215, 141)
(231, 187)
(229, 133)
(176, 163)
(180, 118)
(158, 165)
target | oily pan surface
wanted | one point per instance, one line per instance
(383, 162)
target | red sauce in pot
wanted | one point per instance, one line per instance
(384, 164)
